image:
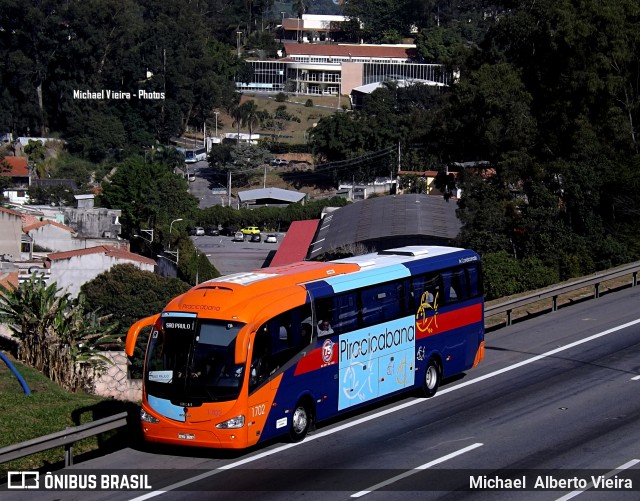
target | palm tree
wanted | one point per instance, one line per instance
(250, 116)
(55, 335)
(299, 6)
(237, 113)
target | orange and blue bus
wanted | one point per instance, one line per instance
(252, 356)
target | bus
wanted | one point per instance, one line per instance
(193, 155)
(249, 357)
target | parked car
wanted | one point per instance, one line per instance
(271, 238)
(255, 237)
(199, 230)
(214, 232)
(191, 176)
(228, 231)
(250, 230)
(238, 237)
(279, 162)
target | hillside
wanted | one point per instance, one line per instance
(294, 132)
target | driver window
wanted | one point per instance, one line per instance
(259, 370)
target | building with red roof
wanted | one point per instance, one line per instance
(335, 69)
(17, 169)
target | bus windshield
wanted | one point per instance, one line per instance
(193, 361)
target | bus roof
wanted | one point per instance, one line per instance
(238, 292)
(391, 264)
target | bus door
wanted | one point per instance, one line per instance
(278, 344)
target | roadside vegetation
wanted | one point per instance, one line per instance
(48, 409)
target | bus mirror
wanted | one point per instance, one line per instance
(134, 331)
(242, 341)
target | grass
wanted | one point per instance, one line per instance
(294, 132)
(49, 409)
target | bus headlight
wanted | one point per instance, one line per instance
(145, 417)
(236, 422)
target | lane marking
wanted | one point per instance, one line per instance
(415, 470)
(613, 472)
(385, 412)
(635, 378)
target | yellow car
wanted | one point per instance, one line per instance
(251, 230)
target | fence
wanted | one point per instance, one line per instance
(554, 292)
(64, 438)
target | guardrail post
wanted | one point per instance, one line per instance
(634, 280)
(597, 290)
(554, 306)
(509, 317)
(68, 455)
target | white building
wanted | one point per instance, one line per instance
(10, 234)
(72, 269)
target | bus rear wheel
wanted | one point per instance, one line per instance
(300, 422)
(431, 378)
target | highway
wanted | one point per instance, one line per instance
(555, 397)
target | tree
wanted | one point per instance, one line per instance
(57, 335)
(127, 294)
(148, 194)
(250, 117)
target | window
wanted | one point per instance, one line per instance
(425, 289)
(381, 303)
(277, 341)
(340, 311)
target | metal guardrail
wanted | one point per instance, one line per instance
(69, 436)
(64, 438)
(555, 291)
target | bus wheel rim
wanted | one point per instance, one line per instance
(299, 420)
(431, 377)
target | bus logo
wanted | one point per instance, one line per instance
(327, 351)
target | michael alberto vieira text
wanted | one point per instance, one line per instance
(550, 482)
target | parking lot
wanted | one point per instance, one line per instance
(229, 256)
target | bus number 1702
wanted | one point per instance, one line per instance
(258, 410)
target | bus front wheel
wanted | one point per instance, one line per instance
(431, 378)
(300, 422)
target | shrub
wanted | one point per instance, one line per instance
(281, 97)
(309, 103)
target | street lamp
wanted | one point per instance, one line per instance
(282, 26)
(216, 114)
(171, 227)
(149, 233)
(175, 254)
(238, 33)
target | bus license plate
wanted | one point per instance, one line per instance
(186, 436)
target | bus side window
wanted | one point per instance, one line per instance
(345, 313)
(324, 313)
(451, 287)
(473, 280)
(380, 303)
(425, 289)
